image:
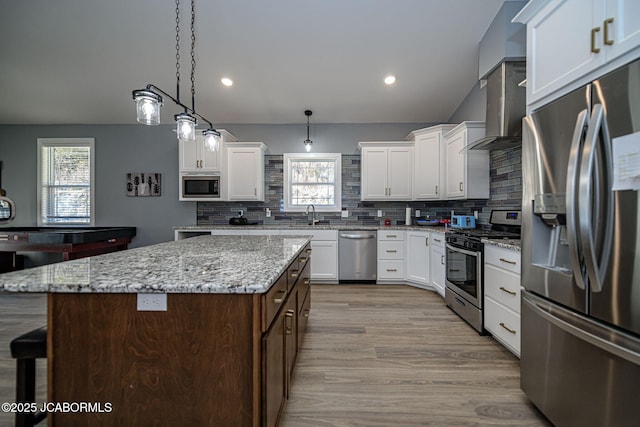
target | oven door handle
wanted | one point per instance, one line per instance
(464, 251)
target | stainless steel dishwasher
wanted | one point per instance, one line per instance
(358, 251)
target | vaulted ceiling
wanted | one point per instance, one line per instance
(77, 61)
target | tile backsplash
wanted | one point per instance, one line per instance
(506, 193)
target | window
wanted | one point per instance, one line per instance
(312, 179)
(65, 181)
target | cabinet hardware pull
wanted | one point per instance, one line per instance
(302, 260)
(437, 240)
(391, 235)
(503, 289)
(594, 49)
(507, 328)
(442, 259)
(255, 191)
(453, 270)
(391, 251)
(507, 261)
(306, 312)
(306, 281)
(426, 241)
(436, 190)
(392, 269)
(461, 186)
(294, 274)
(607, 41)
(289, 315)
(279, 300)
(308, 250)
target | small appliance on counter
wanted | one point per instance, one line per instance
(463, 221)
(240, 220)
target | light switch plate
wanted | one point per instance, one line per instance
(417, 213)
(345, 213)
(152, 302)
(379, 213)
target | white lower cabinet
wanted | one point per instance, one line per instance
(418, 258)
(391, 256)
(437, 262)
(502, 296)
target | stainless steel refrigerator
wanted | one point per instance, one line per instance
(580, 355)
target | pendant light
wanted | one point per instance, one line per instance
(308, 142)
(149, 100)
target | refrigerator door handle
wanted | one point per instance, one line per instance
(581, 330)
(571, 200)
(596, 263)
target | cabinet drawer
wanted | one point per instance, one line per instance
(391, 235)
(504, 324)
(390, 269)
(436, 239)
(503, 286)
(391, 250)
(273, 300)
(503, 258)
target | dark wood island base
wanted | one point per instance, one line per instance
(210, 359)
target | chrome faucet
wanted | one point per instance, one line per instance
(314, 221)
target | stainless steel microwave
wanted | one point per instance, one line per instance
(199, 187)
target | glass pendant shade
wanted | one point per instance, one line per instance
(307, 145)
(148, 105)
(186, 126)
(211, 139)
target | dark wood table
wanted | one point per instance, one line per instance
(72, 242)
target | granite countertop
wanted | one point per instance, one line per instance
(203, 264)
(513, 244)
(438, 229)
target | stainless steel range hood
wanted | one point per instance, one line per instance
(505, 108)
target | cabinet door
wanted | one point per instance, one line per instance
(324, 265)
(189, 160)
(291, 336)
(273, 372)
(400, 173)
(456, 165)
(624, 31)
(210, 159)
(243, 173)
(438, 267)
(417, 256)
(559, 45)
(374, 174)
(427, 156)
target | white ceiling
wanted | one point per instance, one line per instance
(77, 61)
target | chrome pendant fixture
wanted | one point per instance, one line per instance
(149, 100)
(308, 142)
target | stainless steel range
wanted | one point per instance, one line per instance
(465, 264)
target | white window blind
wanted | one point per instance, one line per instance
(312, 178)
(65, 181)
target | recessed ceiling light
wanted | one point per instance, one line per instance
(390, 79)
(226, 81)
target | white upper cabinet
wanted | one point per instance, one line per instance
(245, 171)
(387, 170)
(571, 42)
(467, 171)
(429, 161)
(197, 157)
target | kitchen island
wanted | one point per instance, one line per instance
(220, 353)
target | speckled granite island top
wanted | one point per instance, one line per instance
(203, 264)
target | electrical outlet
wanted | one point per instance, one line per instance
(152, 302)
(379, 213)
(267, 212)
(345, 213)
(417, 213)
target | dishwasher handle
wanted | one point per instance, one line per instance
(357, 236)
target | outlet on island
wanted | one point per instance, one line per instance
(152, 302)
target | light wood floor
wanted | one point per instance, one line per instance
(372, 356)
(397, 356)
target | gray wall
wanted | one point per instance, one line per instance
(135, 148)
(473, 107)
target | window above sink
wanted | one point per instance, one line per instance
(312, 179)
